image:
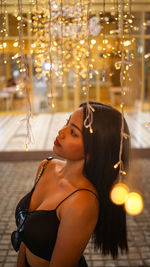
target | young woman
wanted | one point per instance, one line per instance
(70, 200)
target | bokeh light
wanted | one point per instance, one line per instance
(119, 193)
(134, 203)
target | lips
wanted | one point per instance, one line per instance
(56, 143)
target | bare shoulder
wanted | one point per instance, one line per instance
(82, 202)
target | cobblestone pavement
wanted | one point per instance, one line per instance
(16, 178)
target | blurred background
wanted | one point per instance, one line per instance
(70, 43)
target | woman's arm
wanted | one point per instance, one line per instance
(21, 256)
(78, 219)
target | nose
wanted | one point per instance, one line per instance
(61, 134)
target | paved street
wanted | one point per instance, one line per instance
(16, 178)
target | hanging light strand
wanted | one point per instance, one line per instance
(23, 73)
(122, 87)
(62, 44)
(50, 53)
(89, 109)
(3, 28)
(104, 42)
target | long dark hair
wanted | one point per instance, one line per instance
(101, 153)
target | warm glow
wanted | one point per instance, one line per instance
(105, 41)
(127, 43)
(91, 130)
(82, 42)
(134, 203)
(93, 41)
(119, 193)
(15, 44)
(4, 44)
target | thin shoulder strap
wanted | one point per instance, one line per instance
(75, 192)
(42, 169)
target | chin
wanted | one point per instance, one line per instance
(56, 152)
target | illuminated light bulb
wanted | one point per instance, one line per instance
(105, 41)
(93, 41)
(27, 147)
(82, 41)
(53, 105)
(123, 172)
(134, 203)
(91, 130)
(119, 193)
(127, 43)
(19, 18)
(4, 44)
(116, 165)
(147, 56)
(130, 20)
(15, 44)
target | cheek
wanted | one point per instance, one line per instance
(76, 149)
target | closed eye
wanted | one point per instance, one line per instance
(73, 132)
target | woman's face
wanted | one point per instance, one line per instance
(69, 141)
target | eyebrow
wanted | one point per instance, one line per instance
(74, 125)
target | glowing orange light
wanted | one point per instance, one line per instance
(119, 193)
(91, 130)
(134, 203)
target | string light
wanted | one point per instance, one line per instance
(23, 77)
(119, 193)
(134, 203)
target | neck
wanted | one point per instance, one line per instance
(72, 169)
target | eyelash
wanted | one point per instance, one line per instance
(73, 133)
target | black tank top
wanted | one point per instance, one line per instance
(40, 226)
